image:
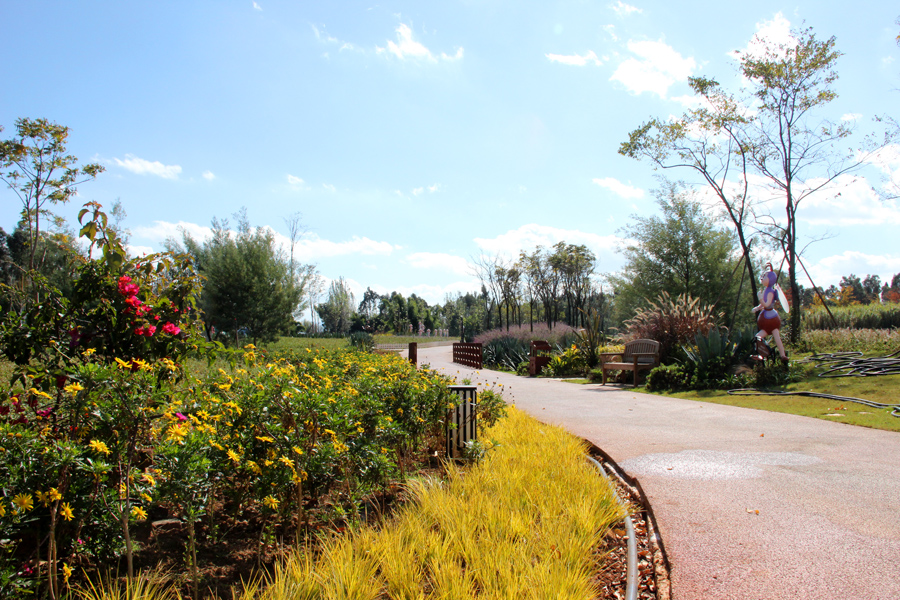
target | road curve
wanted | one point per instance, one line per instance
(827, 494)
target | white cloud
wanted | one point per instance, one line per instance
(257, 6)
(527, 237)
(619, 188)
(329, 187)
(160, 231)
(575, 59)
(848, 201)
(657, 67)
(439, 261)
(209, 175)
(431, 189)
(313, 247)
(145, 167)
(887, 160)
(407, 48)
(623, 10)
(295, 182)
(769, 34)
(611, 31)
(138, 250)
(851, 117)
(829, 270)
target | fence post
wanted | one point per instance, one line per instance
(414, 353)
(461, 424)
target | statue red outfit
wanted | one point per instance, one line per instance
(768, 321)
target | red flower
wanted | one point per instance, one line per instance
(150, 330)
(171, 329)
(126, 288)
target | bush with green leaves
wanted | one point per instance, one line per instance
(362, 340)
(566, 361)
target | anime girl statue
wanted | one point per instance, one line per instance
(768, 320)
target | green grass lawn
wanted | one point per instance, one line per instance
(884, 389)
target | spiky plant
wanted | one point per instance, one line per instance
(672, 323)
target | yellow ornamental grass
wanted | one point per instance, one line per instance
(522, 523)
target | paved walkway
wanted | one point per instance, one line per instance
(828, 494)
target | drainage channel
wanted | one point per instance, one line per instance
(647, 568)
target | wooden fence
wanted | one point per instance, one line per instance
(469, 355)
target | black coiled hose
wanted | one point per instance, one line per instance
(842, 364)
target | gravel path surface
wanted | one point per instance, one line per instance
(750, 504)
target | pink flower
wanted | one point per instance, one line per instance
(150, 330)
(181, 417)
(171, 329)
(126, 288)
(139, 331)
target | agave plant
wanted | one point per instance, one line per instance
(506, 352)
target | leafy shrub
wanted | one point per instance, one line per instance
(673, 377)
(491, 407)
(362, 340)
(672, 323)
(567, 361)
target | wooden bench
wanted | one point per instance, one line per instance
(638, 355)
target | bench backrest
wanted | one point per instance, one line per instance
(640, 347)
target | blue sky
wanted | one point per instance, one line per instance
(414, 136)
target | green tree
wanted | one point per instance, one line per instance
(775, 134)
(679, 252)
(338, 309)
(34, 164)
(248, 285)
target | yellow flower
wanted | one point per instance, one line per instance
(234, 456)
(146, 497)
(89, 351)
(24, 502)
(53, 495)
(265, 438)
(122, 364)
(286, 461)
(42, 497)
(66, 512)
(141, 364)
(249, 347)
(74, 388)
(67, 572)
(99, 447)
(2, 510)
(38, 392)
(167, 363)
(271, 502)
(139, 513)
(254, 467)
(297, 449)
